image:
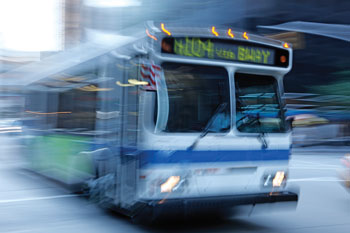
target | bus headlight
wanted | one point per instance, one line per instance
(275, 179)
(169, 185)
(278, 179)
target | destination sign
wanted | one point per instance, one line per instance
(225, 50)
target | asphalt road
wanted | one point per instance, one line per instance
(30, 203)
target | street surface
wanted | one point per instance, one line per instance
(31, 203)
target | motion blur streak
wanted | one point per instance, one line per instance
(11, 128)
(38, 198)
(229, 32)
(164, 30)
(214, 32)
(245, 35)
(48, 113)
(136, 82)
(151, 36)
(10, 131)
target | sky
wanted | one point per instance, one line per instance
(31, 25)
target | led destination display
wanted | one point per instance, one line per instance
(237, 51)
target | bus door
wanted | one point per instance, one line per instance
(108, 136)
(130, 116)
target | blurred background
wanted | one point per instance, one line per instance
(317, 93)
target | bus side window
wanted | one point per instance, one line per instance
(37, 102)
(77, 106)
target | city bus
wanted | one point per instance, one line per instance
(182, 118)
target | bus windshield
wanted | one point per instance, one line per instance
(258, 109)
(195, 93)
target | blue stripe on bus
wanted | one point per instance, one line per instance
(183, 156)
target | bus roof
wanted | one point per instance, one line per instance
(164, 30)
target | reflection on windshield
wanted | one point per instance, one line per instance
(257, 106)
(195, 92)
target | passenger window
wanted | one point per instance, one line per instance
(77, 105)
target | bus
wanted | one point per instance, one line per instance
(182, 118)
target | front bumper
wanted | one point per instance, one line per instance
(253, 203)
(227, 201)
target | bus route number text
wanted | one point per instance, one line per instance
(195, 47)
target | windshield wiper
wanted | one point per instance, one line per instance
(263, 140)
(261, 137)
(206, 129)
(256, 120)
